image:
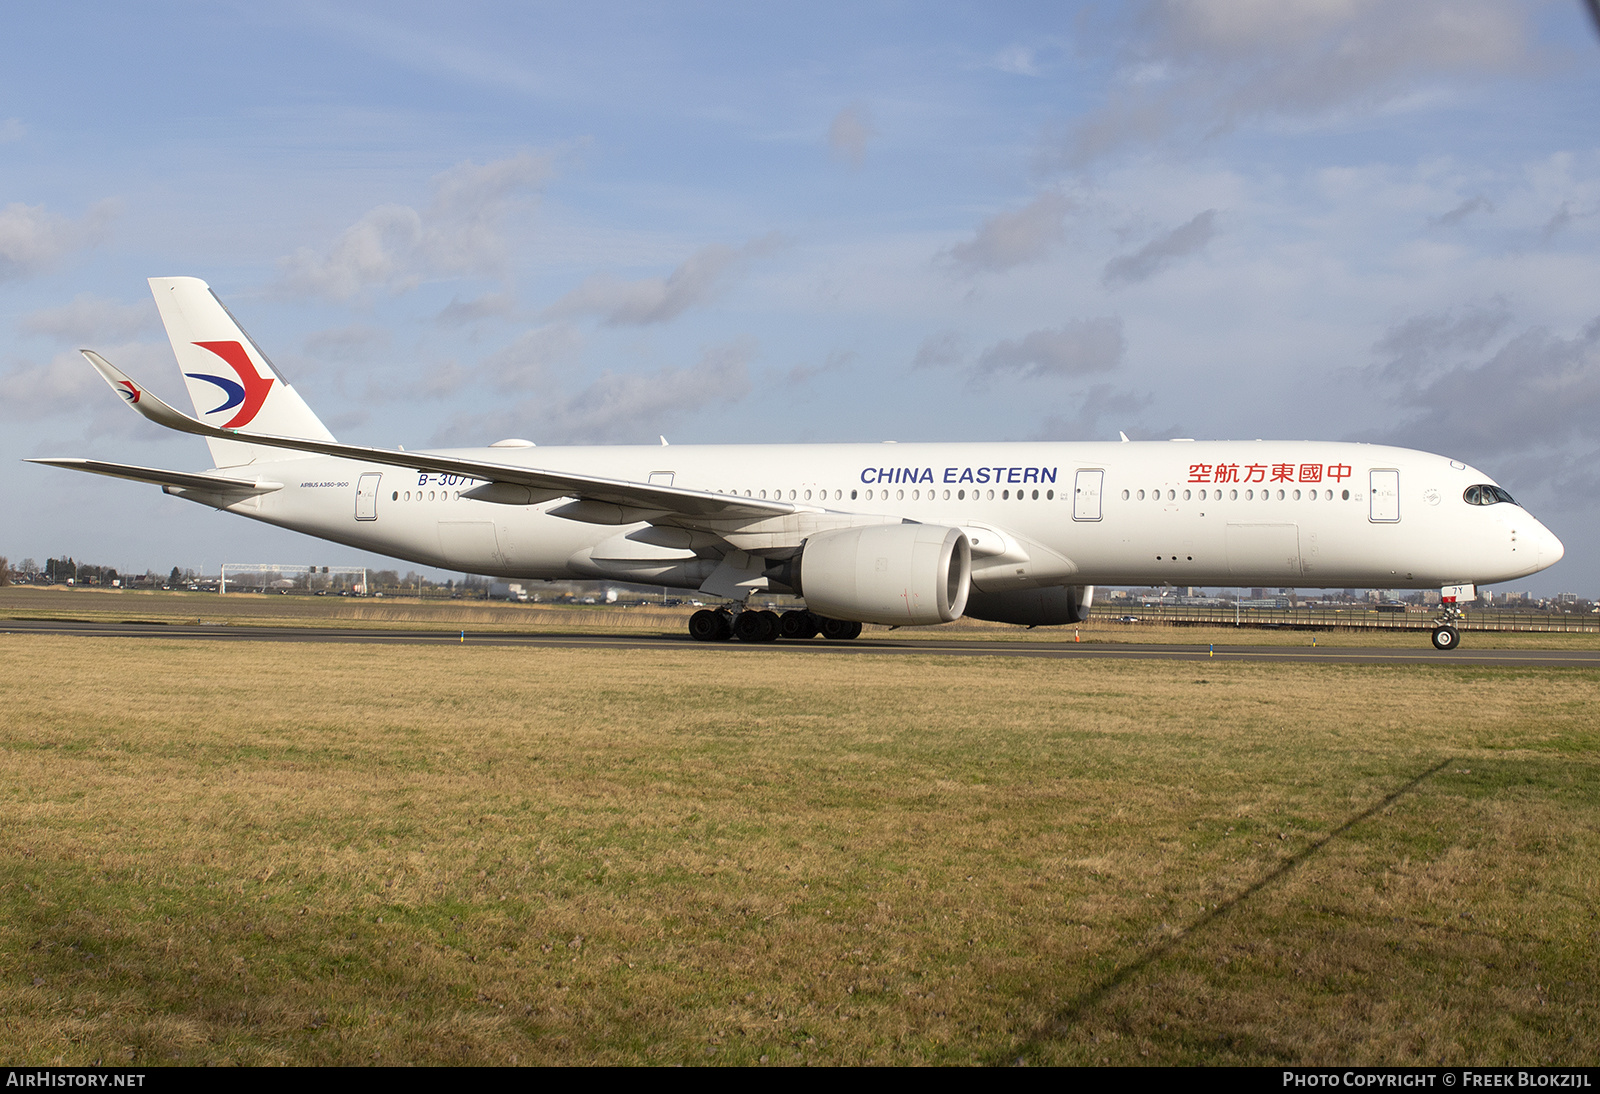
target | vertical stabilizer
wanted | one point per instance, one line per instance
(231, 381)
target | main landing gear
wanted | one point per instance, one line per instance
(720, 624)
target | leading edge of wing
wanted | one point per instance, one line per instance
(550, 484)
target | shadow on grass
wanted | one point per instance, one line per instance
(1089, 1000)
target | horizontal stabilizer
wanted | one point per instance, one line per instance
(186, 480)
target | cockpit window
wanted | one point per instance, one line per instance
(1487, 495)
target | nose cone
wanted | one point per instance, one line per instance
(1550, 548)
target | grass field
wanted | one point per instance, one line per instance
(487, 617)
(270, 853)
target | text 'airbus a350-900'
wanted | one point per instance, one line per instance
(894, 534)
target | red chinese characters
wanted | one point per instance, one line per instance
(1258, 472)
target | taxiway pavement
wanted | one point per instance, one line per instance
(886, 645)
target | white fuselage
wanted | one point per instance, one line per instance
(1278, 513)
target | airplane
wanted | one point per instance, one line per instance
(892, 534)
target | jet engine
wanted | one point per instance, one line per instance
(894, 574)
(1050, 606)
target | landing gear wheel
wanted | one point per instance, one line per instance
(840, 630)
(756, 626)
(798, 625)
(1445, 638)
(709, 626)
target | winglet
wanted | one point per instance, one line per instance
(144, 402)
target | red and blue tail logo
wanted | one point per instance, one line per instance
(247, 393)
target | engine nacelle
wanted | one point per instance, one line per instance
(1050, 606)
(895, 574)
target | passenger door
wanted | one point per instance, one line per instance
(1086, 495)
(1385, 496)
(367, 496)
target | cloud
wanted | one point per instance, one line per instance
(1462, 212)
(1162, 251)
(89, 319)
(1562, 217)
(1538, 391)
(837, 361)
(459, 313)
(659, 299)
(849, 133)
(1017, 60)
(526, 363)
(33, 239)
(1094, 406)
(941, 350)
(1015, 238)
(1078, 348)
(1201, 67)
(356, 342)
(619, 407)
(461, 232)
(1419, 345)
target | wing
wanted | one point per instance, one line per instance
(599, 500)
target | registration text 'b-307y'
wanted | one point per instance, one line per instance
(903, 535)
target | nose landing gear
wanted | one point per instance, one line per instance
(1445, 634)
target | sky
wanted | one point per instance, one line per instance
(1329, 219)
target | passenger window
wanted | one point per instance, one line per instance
(1036, 495)
(899, 495)
(1050, 495)
(1233, 495)
(1346, 496)
(1297, 495)
(396, 496)
(1186, 495)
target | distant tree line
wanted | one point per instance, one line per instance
(66, 569)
